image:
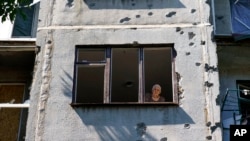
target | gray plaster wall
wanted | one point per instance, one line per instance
(67, 23)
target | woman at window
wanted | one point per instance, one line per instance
(155, 94)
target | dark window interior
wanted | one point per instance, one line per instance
(90, 84)
(91, 55)
(244, 98)
(90, 75)
(23, 24)
(125, 83)
(158, 70)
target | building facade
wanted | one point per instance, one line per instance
(96, 62)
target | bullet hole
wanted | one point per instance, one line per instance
(70, 3)
(191, 35)
(178, 29)
(134, 28)
(141, 129)
(194, 23)
(187, 53)
(203, 42)
(150, 13)
(213, 128)
(191, 44)
(208, 84)
(210, 68)
(129, 84)
(181, 32)
(49, 42)
(186, 125)
(208, 124)
(164, 139)
(170, 14)
(133, 4)
(138, 16)
(126, 19)
(197, 64)
(209, 137)
(193, 10)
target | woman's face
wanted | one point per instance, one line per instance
(156, 91)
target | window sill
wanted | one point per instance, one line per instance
(125, 104)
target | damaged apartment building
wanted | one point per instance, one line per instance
(124, 70)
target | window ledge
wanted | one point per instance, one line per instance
(14, 105)
(125, 104)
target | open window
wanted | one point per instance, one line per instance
(123, 74)
(24, 25)
(244, 96)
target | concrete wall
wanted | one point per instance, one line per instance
(66, 23)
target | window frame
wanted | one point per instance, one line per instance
(141, 77)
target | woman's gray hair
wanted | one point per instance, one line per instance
(156, 86)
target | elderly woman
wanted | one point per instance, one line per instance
(155, 95)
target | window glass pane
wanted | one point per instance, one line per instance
(125, 81)
(91, 55)
(158, 70)
(23, 26)
(90, 84)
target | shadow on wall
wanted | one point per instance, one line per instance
(132, 4)
(132, 123)
(67, 82)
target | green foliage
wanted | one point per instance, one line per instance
(9, 9)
